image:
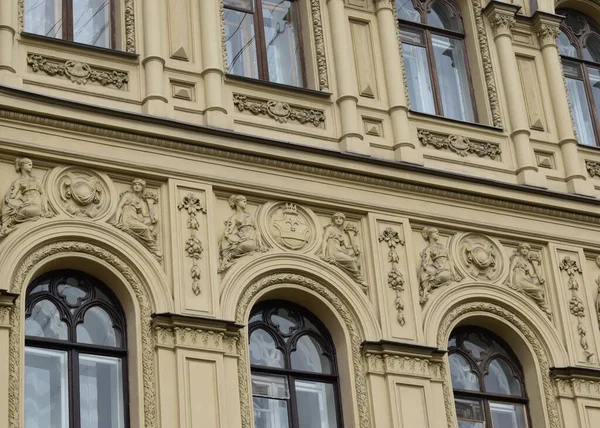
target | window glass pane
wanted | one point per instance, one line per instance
(44, 286)
(595, 84)
(461, 374)
(412, 36)
(406, 10)
(91, 22)
(476, 346)
(45, 321)
(309, 357)
(420, 91)
(46, 390)
(270, 386)
(240, 4)
(70, 291)
(581, 112)
(241, 43)
(469, 413)
(270, 413)
(101, 392)
(575, 21)
(441, 16)
(316, 405)
(591, 48)
(452, 76)
(281, 39)
(284, 320)
(508, 415)
(565, 47)
(263, 351)
(97, 329)
(43, 17)
(500, 380)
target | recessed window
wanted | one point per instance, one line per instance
(579, 46)
(487, 379)
(90, 22)
(435, 58)
(294, 371)
(263, 39)
(75, 354)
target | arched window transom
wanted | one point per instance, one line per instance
(294, 371)
(75, 353)
(435, 58)
(487, 380)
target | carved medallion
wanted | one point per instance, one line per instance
(80, 192)
(288, 226)
(479, 257)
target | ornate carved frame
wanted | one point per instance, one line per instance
(444, 331)
(129, 20)
(15, 343)
(340, 306)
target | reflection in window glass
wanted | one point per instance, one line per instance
(462, 374)
(240, 40)
(97, 329)
(406, 10)
(45, 322)
(91, 22)
(270, 397)
(564, 46)
(420, 91)
(469, 413)
(263, 351)
(316, 404)
(500, 379)
(581, 112)
(309, 357)
(508, 415)
(43, 17)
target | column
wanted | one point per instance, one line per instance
(404, 149)
(351, 139)
(212, 64)
(155, 101)
(501, 18)
(8, 74)
(547, 29)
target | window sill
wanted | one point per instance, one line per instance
(278, 86)
(81, 47)
(419, 114)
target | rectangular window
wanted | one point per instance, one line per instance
(420, 91)
(316, 404)
(579, 103)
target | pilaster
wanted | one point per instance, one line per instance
(6, 304)
(8, 74)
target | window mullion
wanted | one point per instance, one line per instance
(437, 94)
(261, 46)
(293, 403)
(74, 397)
(68, 20)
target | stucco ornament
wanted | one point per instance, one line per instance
(437, 267)
(25, 199)
(525, 276)
(290, 226)
(241, 236)
(576, 306)
(395, 279)
(340, 247)
(193, 245)
(136, 215)
(479, 256)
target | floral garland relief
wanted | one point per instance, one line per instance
(394, 278)
(193, 245)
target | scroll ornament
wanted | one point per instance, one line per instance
(193, 245)
(395, 278)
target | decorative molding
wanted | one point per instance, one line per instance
(403, 365)
(193, 245)
(330, 172)
(198, 338)
(460, 145)
(548, 33)
(223, 37)
(471, 307)
(289, 226)
(148, 358)
(5, 315)
(502, 22)
(577, 387)
(278, 110)
(576, 306)
(77, 71)
(394, 278)
(317, 21)
(593, 168)
(400, 48)
(480, 256)
(349, 320)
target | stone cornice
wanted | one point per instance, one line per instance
(391, 347)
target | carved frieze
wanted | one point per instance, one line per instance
(77, 71)
(278, 110)
(24, 201)
(394, 278)
(460, 145)
(193, 245)
(480, 256)
(289, 226)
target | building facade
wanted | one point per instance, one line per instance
(299, 214)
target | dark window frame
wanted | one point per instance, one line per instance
(261, 44)
(577, 40)
(481, 370)
(109, 302)
(323, 337)
(427, 30)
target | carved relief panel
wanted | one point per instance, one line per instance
(289, 226)
(478, 256)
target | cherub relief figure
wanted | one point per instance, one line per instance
(24, 201)
(340, 247)
(437, 268)
(136, 215)
(241, 236)
(525, 276)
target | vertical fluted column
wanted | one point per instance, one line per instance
(351, 139)
(7, 36)
(547, 29)
(154, 102)
(212, 64)
(404, 149)
(502, 18)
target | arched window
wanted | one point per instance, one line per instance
(435, 58)
(75, 354)
(263, 40)
(294, 371)
(83, 21)
(487, 379)
(579, 46)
